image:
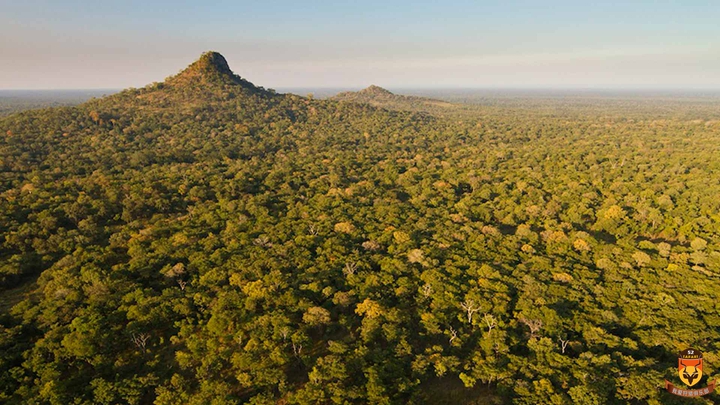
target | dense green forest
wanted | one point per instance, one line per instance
(207, 241)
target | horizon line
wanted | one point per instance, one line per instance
(406, 87)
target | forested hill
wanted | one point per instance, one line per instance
(204, 112)
(206, 241)
(379, 97)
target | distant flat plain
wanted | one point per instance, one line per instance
(12, 101)
(639, 104)
(683, 104)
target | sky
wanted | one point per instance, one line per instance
(83, 44)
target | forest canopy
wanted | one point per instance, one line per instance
(207, 241)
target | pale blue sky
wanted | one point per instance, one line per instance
(281, 44)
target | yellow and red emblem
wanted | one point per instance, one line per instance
(690, 366)
(690, 370)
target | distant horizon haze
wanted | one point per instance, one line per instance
(304, 90)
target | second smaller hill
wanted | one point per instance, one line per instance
(380, 97)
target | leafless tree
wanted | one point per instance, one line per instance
(563, 345)
(470, 308)
(182, 284)
(453, 334)
(427, 290)
(350, 268)
(490, 321)
(262, 241)
(140, 340)
(297, 349)
(313, 230)
(284, 332)
(534, 324)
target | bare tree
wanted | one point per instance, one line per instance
(350, 268)
(313, 230)
(490, 321)
(534, 324)
(262, 241)
(563, 345)
(297, 349)
(470, 308)
(284, 332)
(427, 290)
(453, 334)
(140, 341)
(182, 284)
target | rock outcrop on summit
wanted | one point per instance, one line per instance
(210, 69)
